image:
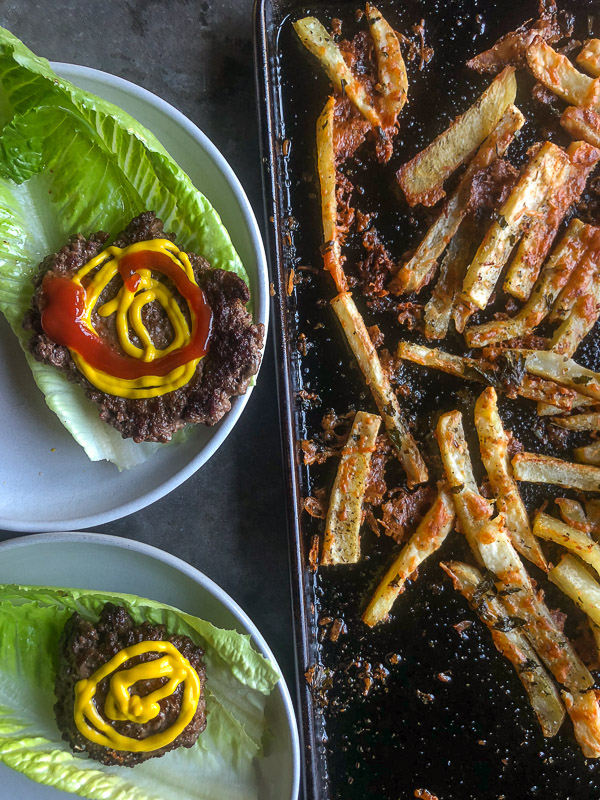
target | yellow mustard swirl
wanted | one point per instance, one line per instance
(121, 705)
(128, 305)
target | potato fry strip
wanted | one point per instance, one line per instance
(491, 545)
(584, 711)
(316, 39)
(332, 256)
(579, 422)
(582, 279)
(512, 643)
(429, 536)
(582, 123)
(556, 73)
(553, 278)
(360, 342)
(540, 176)
(577, 542)
(417, 272)
(589, 57)
(573, 514)
(422, 178)
(569, 335)
(565, 371)
(390, 64)
(493, 443)
(574, 580)
(589, 454)
(536, 468)
(341, 544)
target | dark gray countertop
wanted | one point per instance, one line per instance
(228, 520)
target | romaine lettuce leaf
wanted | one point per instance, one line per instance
(220, 766)
(71, 162)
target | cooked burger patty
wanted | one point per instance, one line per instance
(85, 647)
(232, 359)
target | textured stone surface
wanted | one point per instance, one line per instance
(229, 519)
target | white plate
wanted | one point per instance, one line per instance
(47, 483)
(97, 561)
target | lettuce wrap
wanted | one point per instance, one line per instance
(220, 766)
(71, 162)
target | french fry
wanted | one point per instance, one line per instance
(582, 279)
(536, 468)
(341, 544)
(592, 512)
(584, 711)
(577, 401)
(512, 643)
(590, 454)
(589, 57)
(554, 277)
(493, 444)
(393, 79)
(574, 580)
(417, 272)
(360, 342)
(567, 188)
(577, 542)
(541, 175)
(573, 514)
(428, 537)
(556, 73)
(492, 547)
(422, 178)
(316, 39)
(332, 255)
(565, 371)
(579, 422)
(582, 122)
(569, 335)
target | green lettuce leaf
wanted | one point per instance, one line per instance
(71, 162)
(220, 766)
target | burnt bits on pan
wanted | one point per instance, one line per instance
(85, 647)
(225, 372)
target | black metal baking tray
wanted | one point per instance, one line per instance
(380, 719)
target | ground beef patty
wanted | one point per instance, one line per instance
(234, 349)
(85, 647)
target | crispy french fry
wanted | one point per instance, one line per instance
(573, 514)
(316, 39)
(393, 79)
(578, 401)
(491, 545)
(341, 544)
(541, 175)
(512, 643)
(360, 342)
(578, 542)
(555, 274)
(566, 190)
(536, 468)
(579, 422)
(582, 279)
(417, 272)
(582, 122)
(565, 371)
(332, 255)
(556, 73)
(493, 444)
(574, 580)
(569, 335)
(592, 512)
(422, 178)
(429, 536)
(589, 57)
(589, 454)
(584, 711)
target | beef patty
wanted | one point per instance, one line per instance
(232, 359)
(85, 647)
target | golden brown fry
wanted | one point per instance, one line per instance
(422, 178)
(536, 468)
(541, 176)
(577, 542)
(493, 443)
(589, 57)
(582, 123)
(316, 39)
(583, 277)
(332, 255)
(417, 272)
(584, 314)
(565, 371)
(555, 274)
(341, 544)
(429, 536)
(360, 342)
(579, 422)
(589, 454)
(576, 582)
(584, 711)
(556, 73)
(573, 514)
(393, 79)
(512, 643)
(491, 545)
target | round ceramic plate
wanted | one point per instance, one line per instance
(96, 561)
(45, 477)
